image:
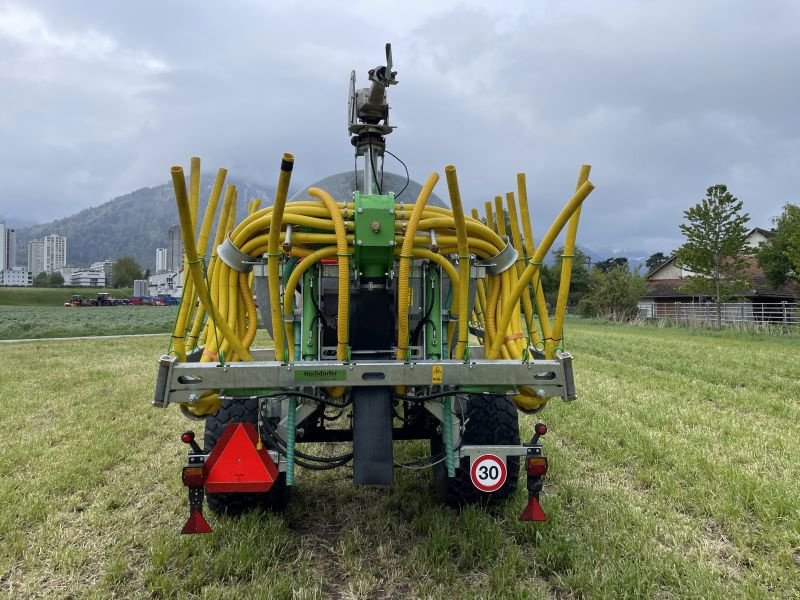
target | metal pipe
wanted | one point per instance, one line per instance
(369, 173)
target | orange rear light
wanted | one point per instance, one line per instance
(193, 476)
(537, 466)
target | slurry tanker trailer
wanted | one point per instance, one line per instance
(392, 318)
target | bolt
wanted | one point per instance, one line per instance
(376, 226)
(391, 243)
(359, 242)
(361, 209)
(391, 211)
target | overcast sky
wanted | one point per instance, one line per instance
(663, 99)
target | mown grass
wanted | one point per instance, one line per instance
(31, 296)
(30, 322)
(676, 475)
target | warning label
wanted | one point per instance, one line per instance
(437, 374)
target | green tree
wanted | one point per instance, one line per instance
(579, 281)
(41, 280)
(611, 263)
(125, 271)
(56, 279)
(613, 294)
(655, 260)
(780, 255)
(715, 247)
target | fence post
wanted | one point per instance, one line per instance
(783, 306)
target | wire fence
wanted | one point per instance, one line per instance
(777, 313)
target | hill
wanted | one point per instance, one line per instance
(131, 225)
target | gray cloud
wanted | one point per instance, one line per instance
(663, 99)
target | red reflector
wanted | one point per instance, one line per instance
(236, 465)
(187, 437)
(533, 512)
(196, 523)
(329, 261)
(537, 466)
(540, 428)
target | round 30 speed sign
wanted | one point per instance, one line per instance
(488, 472)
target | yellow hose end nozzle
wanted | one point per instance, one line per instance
(528, 401)
(208, 404)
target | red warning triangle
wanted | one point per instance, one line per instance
(196, 523)
(236, 465)
(533, 512)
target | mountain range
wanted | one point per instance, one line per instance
(131, 225)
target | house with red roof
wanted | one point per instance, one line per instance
(761, 301)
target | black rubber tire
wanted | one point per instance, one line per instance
(276, 499)
(491, 419)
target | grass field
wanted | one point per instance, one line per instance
(675, 475)
(31, 296)
(26, 322)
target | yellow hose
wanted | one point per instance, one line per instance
(273, 256)
(323, 228)
(538, 292)
(202, 244)
(405, 266)
(527, 305)
(343, 259)
(179, 184)
(489, 216)
(566, 265)
(218, 237)
(533, 268)
(463, 262)
(291, 284)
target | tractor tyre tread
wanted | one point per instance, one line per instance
(491, 419)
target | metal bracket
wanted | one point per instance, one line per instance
(503, 451)
(233, 257)
(565, 358)
(161, 394)
(502, 261)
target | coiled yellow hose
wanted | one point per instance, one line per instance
(323, 228)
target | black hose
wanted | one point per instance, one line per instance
(281, 447)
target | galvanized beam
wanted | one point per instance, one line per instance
(185, 382)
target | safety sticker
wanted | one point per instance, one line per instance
(437, 374)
